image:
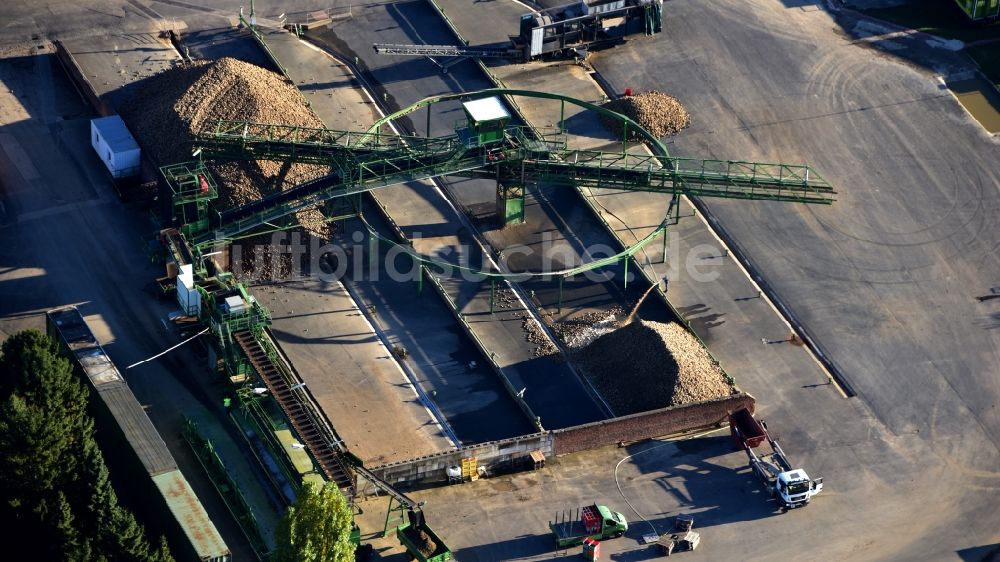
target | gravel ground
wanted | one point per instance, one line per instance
(648, 365)
(658, 113)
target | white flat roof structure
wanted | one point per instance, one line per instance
(486, 109)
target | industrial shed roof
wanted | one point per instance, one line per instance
(486, 109)
(115, 133)
(188, 511)
(139, 431)
(112, 389)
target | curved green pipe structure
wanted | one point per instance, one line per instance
(524, 275)
(657, 146)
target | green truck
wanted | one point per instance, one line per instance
(591, 521)
(421, 543)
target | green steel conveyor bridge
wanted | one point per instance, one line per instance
(513, 155)
(485, 146)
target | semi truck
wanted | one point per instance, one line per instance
(790, 487)
(594, 521)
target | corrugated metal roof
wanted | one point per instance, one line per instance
(149, 447)
(72, 328)
(115, 133)
(486, 109)
(187, 509)
(113, 390)
(138, 430)
(82, 343)
(98, 366)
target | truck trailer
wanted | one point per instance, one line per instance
(790, 487)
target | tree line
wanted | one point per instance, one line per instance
(56, 499)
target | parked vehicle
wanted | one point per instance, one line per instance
(791, 487)
(592, 521)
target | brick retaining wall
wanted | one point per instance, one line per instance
(646, 425)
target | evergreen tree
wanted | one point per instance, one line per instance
(43, 417)
(69, 542)
(55, 490)
(317, 528)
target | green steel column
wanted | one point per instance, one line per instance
(625, 137)
(562, 116)
(626, 272)
(388, 513)
(420, 280)
(428, 121)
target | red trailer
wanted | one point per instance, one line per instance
(791, 487)
(744, 428)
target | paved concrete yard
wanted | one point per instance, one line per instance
(352, 376)
(885, 475)
(436, 228)
(114, 63)
(885, 279)
(66, 239)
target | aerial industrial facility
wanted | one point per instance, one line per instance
(617, 279)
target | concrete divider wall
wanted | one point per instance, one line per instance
(646, 425)
(430, 469)
(79, 78)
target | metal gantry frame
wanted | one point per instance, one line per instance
(362, 161)
(192, 190)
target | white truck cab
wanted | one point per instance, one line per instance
(794, 488)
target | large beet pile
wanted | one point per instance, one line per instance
(649, 365)
(658, 113)
(170, 107)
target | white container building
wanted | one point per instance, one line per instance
(115, 146)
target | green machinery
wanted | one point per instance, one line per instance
(980, 11)
(486, 146)
(192, 190)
